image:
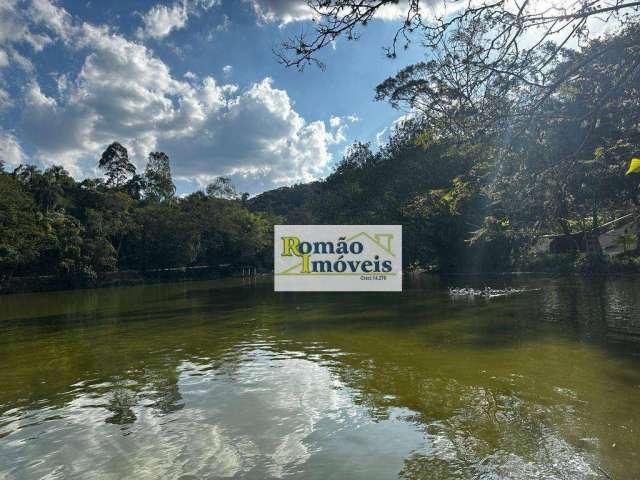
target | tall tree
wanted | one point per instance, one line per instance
(158, 182)
(222, 187)
(115, 162)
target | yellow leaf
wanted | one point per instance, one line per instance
(634, 166)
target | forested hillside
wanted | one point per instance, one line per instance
(478, 171)
(473, 178)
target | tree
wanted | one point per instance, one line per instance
(97, 248)
(162, 239)
(158, 182)
(500, 46)
(21, 228)
(505, 24)
(222, 187)
(44, 189)
(65, 252)
(115, 162)
(135, 186)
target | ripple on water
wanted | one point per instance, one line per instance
(371, 389)
(249, 418)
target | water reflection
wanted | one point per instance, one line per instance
(121, 406)
(221, 380)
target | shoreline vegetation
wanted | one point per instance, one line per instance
(555, 266)
(474, 186)
(49, 283)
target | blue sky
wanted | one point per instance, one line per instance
(194, 78)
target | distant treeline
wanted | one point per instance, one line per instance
(51, 224)
(473, 182)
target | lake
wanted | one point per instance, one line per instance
(227, 379)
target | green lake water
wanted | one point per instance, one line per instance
(227, 379)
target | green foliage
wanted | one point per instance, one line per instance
(595, 263)
(115, 162)
(158, 184)
(52, 225)
(474, 176)
(162, 237)
(21, 227)
(64, 254)
(485, 166)
(221, 187)
(548, 263)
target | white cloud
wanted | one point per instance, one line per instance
(287, 11)
(258, 139)
(14, 27)
(224, 26)
(24, 23)
(5, 99)
(35, 98)
(161, 20)
(125, 93)
(382, 136)
(4, 58)
(23, 62)
(61, 82)
(10, 150)
(55, 18)
(281, 11)
(121, 92)
(341, 124)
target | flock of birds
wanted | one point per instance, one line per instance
(487, 292)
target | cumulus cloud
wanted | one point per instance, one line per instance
(4, 58)
(340, 126)
(11, 152)
(15, 29)
(54, 17)
(281, 11)
(124, 92)
(36, 24)
(22, 22)
(5, 99)
(161, 20)
(258, 139)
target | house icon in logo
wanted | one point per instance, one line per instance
(382, 240)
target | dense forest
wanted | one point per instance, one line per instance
(51, 224)
(474, 173)
(481, 167)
